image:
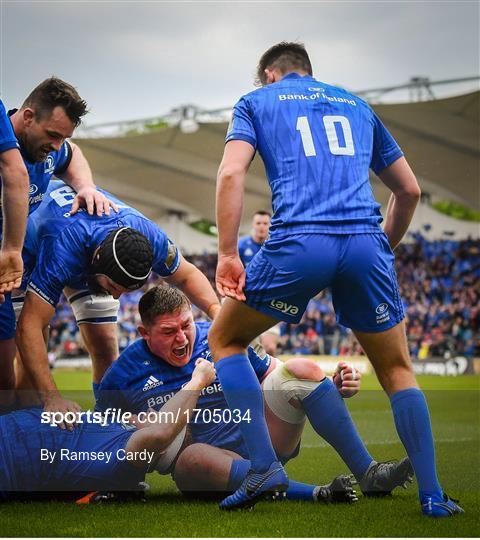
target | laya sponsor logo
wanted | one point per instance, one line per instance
(284, 307)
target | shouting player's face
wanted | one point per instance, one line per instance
(44, 135)
(171, 336)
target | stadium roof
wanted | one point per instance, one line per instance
(170, 170)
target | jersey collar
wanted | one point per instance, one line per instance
(294, 75)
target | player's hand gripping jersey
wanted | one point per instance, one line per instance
(318, 143)
(59, 247)
(139, 380)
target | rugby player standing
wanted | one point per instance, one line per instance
(248, 247)
(318, 143)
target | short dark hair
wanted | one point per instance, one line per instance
(159, 301)
(262, 213)
(54, 92)
(285, 56)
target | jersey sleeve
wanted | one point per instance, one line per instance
(166, 255)
(259, 359)
(56, 266)
(241, 126)
(385, 148)
(8, 141)
(62, 159)
(109, 393)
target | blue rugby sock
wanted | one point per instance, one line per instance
(410, 411)
(243, 393)
(330, 418)
(239, 470)
(296, 490)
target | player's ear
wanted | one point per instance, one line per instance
(143, 331)
(28, 116)
(269, 77)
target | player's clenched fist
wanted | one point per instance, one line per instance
(204, 372)
(347, 379)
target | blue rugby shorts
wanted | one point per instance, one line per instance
(287, 272)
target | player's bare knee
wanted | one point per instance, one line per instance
(220, 342)
(193, 459)
(288, 385)
(397, 377)
(303, 368)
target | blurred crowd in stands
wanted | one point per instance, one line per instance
(440, 288)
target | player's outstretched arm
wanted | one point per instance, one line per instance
(196, 286)
(401, 181)
(34, 319)
(237, 156)
(79, 177)
(15, 185)
(173, 416)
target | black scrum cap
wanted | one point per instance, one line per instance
(125, 256)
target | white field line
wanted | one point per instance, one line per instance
(321, 444)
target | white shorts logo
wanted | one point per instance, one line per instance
(381, 308)
(383, 314)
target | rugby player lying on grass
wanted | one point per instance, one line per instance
(213, 456)
(36, 456)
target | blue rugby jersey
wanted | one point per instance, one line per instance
(247, 249)
(40, 173)
(59, 247)
(7, 136)
(139, 380)
(23, 436)
(317, 142)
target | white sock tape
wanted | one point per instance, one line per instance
(354, 373)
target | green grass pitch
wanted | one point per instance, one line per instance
(455, 411)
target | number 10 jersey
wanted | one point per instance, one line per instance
(318, 143)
